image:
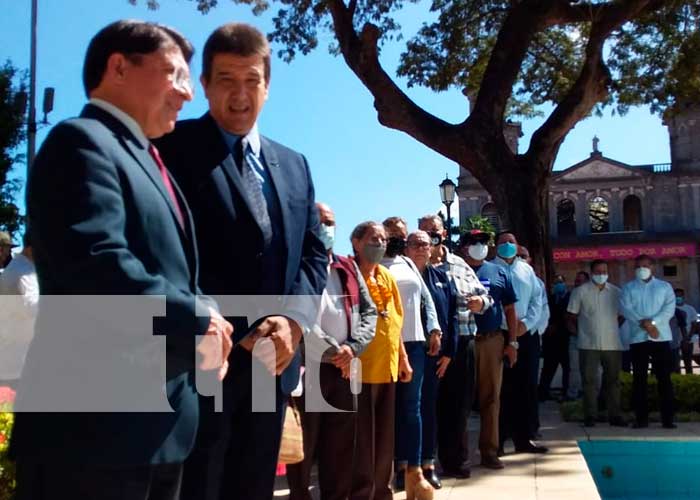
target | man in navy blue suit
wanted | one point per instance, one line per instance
(253, 203)
(107, 220)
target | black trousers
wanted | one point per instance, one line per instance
(236, 451)
(329, 437)
(455, 398)
(555, 351)
(662, 365)
(94, 482)
(519, 416)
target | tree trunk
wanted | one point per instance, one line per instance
(522, 198)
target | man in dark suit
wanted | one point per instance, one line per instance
(107, 220)
(253, 202)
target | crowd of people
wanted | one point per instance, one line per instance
(425, 332)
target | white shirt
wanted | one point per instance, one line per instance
(412, 288)
(19, 285)
(652, 300)
(332, 319)
(598, 311)
(543, 320)
(528, 308)
(123, 117)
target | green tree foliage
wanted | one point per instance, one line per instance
(12, 134)
(511, 57)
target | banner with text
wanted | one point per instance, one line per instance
(625, 252)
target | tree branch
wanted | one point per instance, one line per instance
(395, 109)
(591, 86)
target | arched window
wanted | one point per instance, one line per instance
(632, 213)
(566, 218)
(599, 215)
(491, 213)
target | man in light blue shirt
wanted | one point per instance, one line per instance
(518, 417)
(648, 304)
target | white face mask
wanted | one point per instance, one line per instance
(600, 279)
(327, 235)
(478, 251)
(642, 273)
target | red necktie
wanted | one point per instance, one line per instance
(166, 180)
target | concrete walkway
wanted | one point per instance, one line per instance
(560, 474)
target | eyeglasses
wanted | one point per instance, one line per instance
(419, 244)
(182, 82)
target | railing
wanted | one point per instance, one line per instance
(661, 168)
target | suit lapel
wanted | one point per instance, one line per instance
(279, 183)
(145, 161)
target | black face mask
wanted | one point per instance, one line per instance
(435, 239)
(395, 246)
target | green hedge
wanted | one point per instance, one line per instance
(686, 390)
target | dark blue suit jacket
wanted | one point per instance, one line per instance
(103, 224)
(444, 295)
(229, 239)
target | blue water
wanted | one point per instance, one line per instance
(644, 470)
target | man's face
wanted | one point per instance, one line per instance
(507, 238)
(375, 236)
(159, 83)
(524, 254)
(433, 226)
(326, 215)
(236, 91)
(680, 296)
(397, 231)
(418, 249)
(645, 263)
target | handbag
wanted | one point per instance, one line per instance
(292, 445)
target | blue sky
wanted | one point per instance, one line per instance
(316, 106)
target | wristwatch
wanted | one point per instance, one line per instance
(514, 344)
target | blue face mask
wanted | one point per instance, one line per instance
(679, 301)
(559, 288)
(507, 250)
(327, 235)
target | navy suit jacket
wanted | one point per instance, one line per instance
(103, 224)
(230, 241)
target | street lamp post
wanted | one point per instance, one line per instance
(447, 195)
(31, 118)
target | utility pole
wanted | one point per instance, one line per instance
(31, 120)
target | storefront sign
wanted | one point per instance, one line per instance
(625, 252)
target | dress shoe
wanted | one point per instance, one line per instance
(432, 477)
(492, 463)
(618, 422)
(589, 422)
(638, 424)
(669, 425)
(531, 447)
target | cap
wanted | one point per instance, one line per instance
(6, 240)
(474, 236)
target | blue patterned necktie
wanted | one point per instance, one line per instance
(253, 186)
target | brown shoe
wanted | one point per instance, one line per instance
(492, 463)
(417, 488)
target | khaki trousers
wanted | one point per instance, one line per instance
(489, 376)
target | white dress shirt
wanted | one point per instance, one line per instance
(598, 311)
(528, 308)
(654, 300)
(20, 301)
(545, 314)
(412, 289)
(123, 117)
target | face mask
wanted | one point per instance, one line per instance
(327, 235)
(679, 301)
(642, 273)
(435, 239)
(478, 251)
(395, 246)
(507, 250)
(559, 288)
(373, 253)
(600, 279)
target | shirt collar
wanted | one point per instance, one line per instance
(253, 138)
(123, 117)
